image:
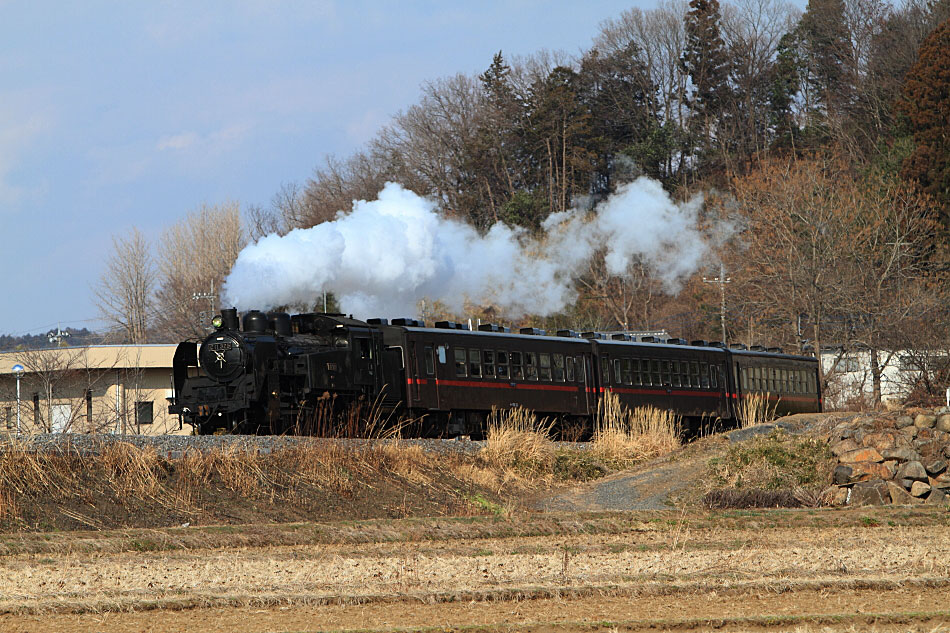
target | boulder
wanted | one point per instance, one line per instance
(906, 483)
(937, 497)
(901, 454)
(842, 474)
(946, 451)
(881, 441)
(925, 421)
(861, 455)
(941, 481)
(925, 435)
(904, 421)
(870, 493)
(844, 446)
(920, 489)
(935, 467)
(914, 471)
(900, 496)
(866, 471)
(909, 432)
(943, 423)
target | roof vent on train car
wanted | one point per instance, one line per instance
(378, 321)
(775, 350)
(597, 336)
(649, 339)
(533, 331)
(447, 325)
(738, 346)
(621, 337)
(490, 327)
(699, 343)
(757, 348)
(407, 322)
(676, 341)
(718, 344)
(567, 333)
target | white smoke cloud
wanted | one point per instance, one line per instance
(385, 255)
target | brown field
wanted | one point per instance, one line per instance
(522, 537)
(803, 570)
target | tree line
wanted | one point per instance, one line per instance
(820, 138)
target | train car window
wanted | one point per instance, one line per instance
(665, 372)
(569, 366)
(474, 363)
(655, 372)
(605, 369)
(743, 378)
(440, 350)
(430, 362)
(501, 369)
(704, 375)
(675, 372)
(517, 371)
(581, 369)
(694, 373)
(756, 376)
(714, 376)
(488, 363)
(626, 371)
(617, 379)
(544, 366)
(812, 383)
(558, 367)
(636, 372)
(461, 363)
(530, 366)
(771, 379)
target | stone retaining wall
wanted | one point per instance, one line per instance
(896, 458)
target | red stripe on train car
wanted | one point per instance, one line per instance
(506, 385)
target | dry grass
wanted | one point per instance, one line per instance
(518, 441)
(755, 409)
(622, 437)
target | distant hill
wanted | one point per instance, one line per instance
(77, 337)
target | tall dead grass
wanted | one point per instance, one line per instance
(517, 439)
(755, 409)
(622, 436)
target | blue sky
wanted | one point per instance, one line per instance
(121, 114)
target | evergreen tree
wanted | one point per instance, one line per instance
(926, 107)
(706, 63)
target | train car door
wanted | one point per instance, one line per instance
(586, 365)
(365, 364)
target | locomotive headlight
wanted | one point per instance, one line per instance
(217, 322)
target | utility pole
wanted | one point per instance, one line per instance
(205, 317)
(722, 280)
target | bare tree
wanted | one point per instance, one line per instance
(124, 291)
(195, 256)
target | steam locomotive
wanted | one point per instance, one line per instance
(273, 372)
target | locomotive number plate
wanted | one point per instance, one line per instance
(223, 346)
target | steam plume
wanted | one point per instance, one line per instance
(385, 255)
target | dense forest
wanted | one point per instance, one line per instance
(820, 138)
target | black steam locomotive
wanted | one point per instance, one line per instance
(275, 372)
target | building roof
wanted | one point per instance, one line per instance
(90, 357)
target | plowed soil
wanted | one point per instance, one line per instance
(884, 569)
